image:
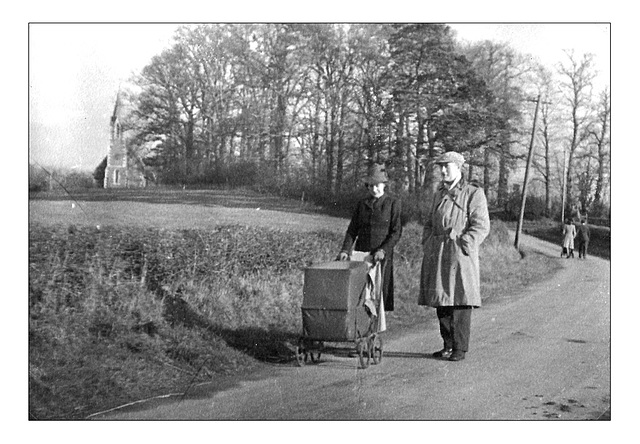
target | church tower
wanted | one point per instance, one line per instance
(115, 175)
(124, 169)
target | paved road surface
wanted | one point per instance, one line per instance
(545, 355)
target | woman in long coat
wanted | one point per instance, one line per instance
(376, 228)
(569, 232)
(453, 231)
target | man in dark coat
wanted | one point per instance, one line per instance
(582, 237)
(375, 228)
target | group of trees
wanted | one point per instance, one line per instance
(312, 106)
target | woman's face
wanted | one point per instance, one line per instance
(376, 189)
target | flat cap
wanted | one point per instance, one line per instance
(450, 156)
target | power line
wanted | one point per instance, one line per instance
(51, 177)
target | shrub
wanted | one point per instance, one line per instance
(535, 207)
(98, 173)
(77, 179)
(38, 179)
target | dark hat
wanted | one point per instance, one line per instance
(450, 156)
(377, 174)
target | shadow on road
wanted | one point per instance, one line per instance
(392, 354)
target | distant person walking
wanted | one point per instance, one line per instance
(457, 223)
(375, 228)
(583, 239)
(569, 232)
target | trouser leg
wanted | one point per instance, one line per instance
(455, 327)
(584, 252)
(461, 328)
(445, 318)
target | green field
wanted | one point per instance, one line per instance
(178, 209)
(176, 288)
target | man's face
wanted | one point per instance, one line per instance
(450, 171)
(376, 189)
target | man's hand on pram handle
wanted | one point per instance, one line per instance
(343, 256)
(378, 256)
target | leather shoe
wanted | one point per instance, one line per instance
(457, 355)
(444, 353)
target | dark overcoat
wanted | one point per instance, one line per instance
(583, 235)
(376, 225)
(457, 224)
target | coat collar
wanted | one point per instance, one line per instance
(453, 191)
(371, 200)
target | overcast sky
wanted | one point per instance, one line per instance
(75, 71)
(74, 74)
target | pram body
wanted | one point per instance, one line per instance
(333, 311)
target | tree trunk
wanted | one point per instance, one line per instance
(486, 178)
(400, 138)
(503, 173)
(328, 133)
(340, 153)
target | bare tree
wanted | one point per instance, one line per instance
(603, 143)
(504, 70)
(547, 133)
(577, 75)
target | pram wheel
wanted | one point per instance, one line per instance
(301, 353)
(376, 349)
(364, 352)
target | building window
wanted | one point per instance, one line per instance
(116, 177)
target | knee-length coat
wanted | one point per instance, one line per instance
(376, 225)
(457, 224)
(569, 231)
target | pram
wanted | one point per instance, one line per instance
(334, 309)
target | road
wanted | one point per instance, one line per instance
(543, 355)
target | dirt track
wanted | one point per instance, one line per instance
(544, 355)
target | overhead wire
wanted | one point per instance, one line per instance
(51, 176)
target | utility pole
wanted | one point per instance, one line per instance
(526, 174)
(564, 184)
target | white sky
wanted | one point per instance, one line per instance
(547, 41)
(74, 74)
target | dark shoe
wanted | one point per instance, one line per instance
(457, 355)
(444, 353)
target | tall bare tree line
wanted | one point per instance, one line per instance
(317, 104)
